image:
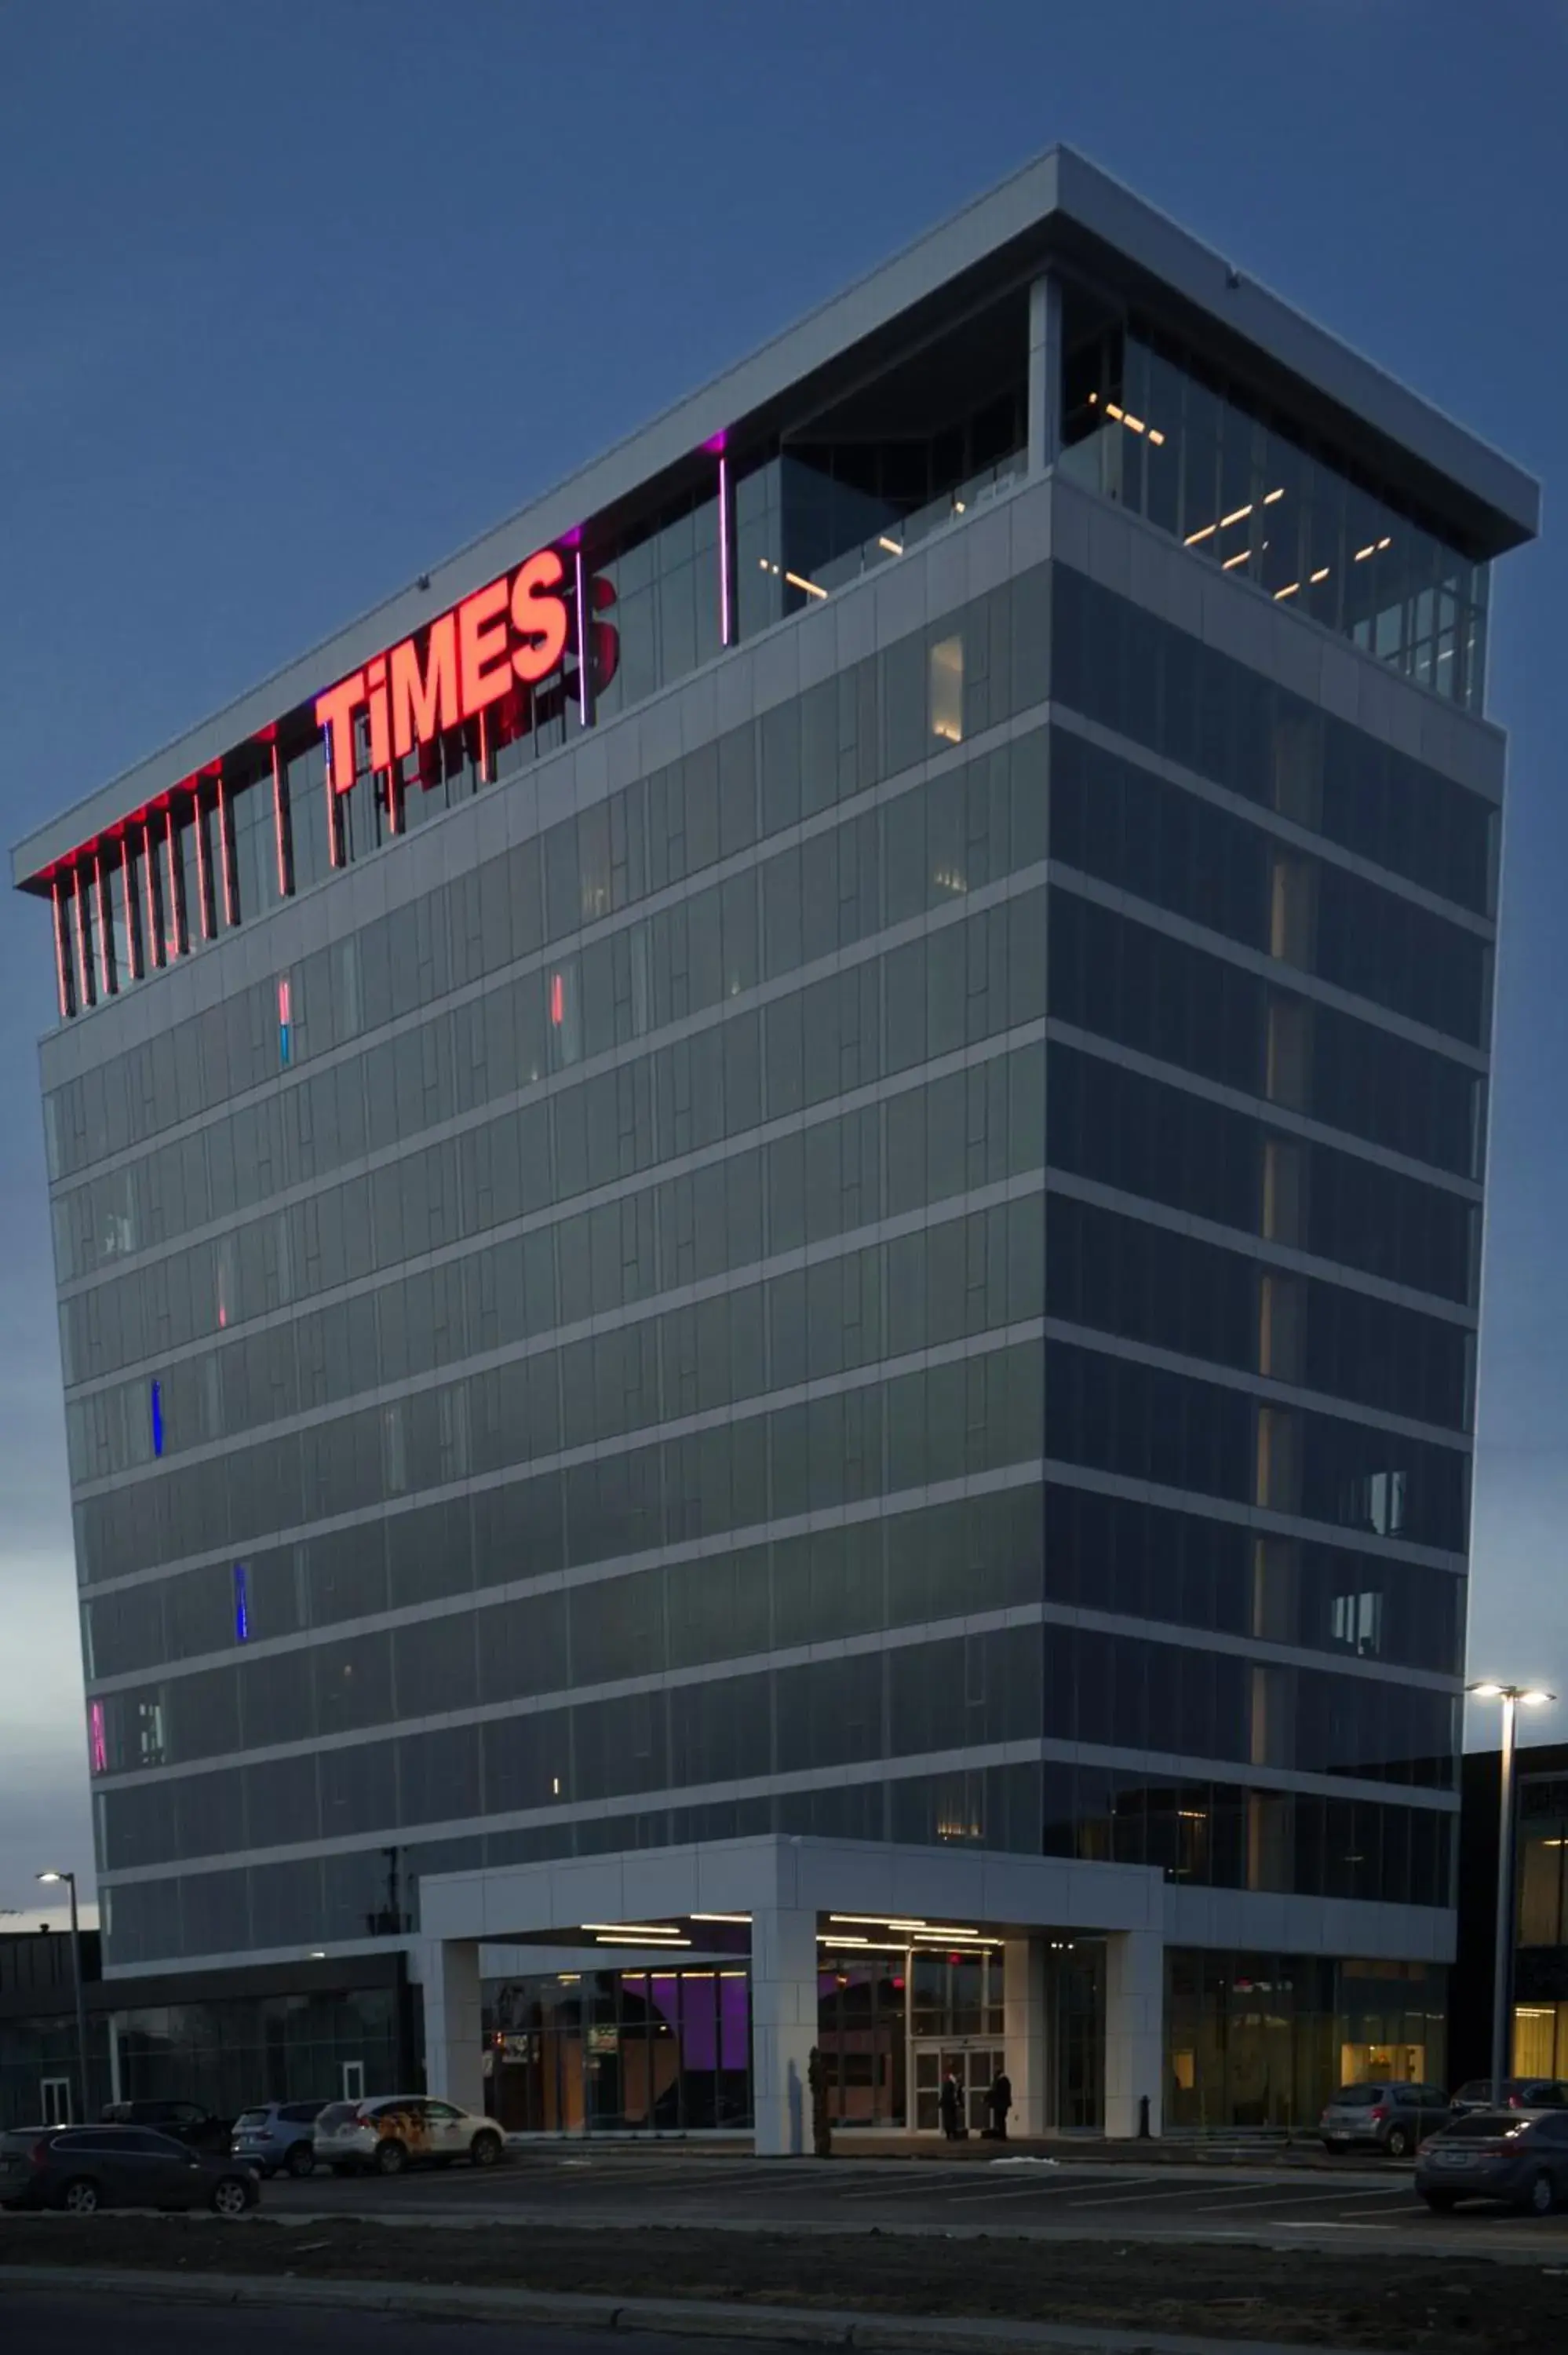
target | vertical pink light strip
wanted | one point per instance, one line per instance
(128, 896)
(584, 642)
(225, 858)
(173, 911)
(98, 1744)
(278, 817)
(83, 954)
(725, 625)
(62, 969)
(152, 943)
(105, 926)
(197, 820)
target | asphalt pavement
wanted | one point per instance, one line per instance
(1371, 2204)
(65, 2322)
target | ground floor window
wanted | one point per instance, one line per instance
(1262, 2040)
(619, 2052)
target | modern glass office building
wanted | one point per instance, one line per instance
(766, 1212)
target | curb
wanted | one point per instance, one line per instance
(689, 2318)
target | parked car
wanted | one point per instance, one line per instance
(1518, 2155)
(1513, 2094)
(83, 2168)
(1393, 2117)
(277, 2135)
(187, 2121)
(402, 2131)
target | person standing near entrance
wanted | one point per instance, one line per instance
(998, 2102)
(952, 2108)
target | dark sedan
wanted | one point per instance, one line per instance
(187, 2122)
(1514, 2155)
(83, 2168)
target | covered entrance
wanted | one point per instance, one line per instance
(687, 1989)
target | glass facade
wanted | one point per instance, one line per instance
(881, 1242)
(1155, 426)
(906, 1173)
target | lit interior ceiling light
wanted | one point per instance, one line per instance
(894, 546)
(720, 1917)
(1112, 410)
(1240, 516)
(1156, 436)
(610, 1938)
(1133, 424)
(1363, 553)
(634, 1929)
(1321, 574)
(798, 580)
(1386, 541)
(883, 1920)
(1195, 537)
(1286, 592)
(1270, 496)
(1239, 557)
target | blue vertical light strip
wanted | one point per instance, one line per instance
(285, 1023)
(241, 1606)
(157, 1403)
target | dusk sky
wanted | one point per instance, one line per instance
(297, 296)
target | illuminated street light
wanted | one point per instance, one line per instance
(1513, 1699)
(70, 1879)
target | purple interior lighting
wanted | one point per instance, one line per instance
(724, 547)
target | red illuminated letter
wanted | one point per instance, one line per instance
(335, 712)
(483, 667)
(538, 618)
(380, 728)
(426, 706)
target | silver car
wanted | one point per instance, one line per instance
(398, 2130)
(1393, 2117)
(277, 2135)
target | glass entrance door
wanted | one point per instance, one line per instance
(973, 2065)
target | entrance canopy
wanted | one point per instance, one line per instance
(779, 1902)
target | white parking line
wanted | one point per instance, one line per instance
(1142, 2189)
(1250, 2197)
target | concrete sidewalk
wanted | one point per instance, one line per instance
(692, 2318)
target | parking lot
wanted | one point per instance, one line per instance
(1369, 2204)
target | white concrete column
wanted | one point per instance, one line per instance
(1026, 2034)
(783, 2028)
(454, 2021)
(1044, 374)
(1135, 2029)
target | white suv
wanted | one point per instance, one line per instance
(401, 2130)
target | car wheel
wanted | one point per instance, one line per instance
(1440, 2202)
(301, 2160)
(1540, 2195)
(1396, 2142)
(391, 2157)
(484, 2149)
(81, 2198)
(230, 2196)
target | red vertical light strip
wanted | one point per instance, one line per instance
(173, 911)
(225, 858)
(62, 969)
(484, 744)
(83, 954)
(128, 901)
(105, 928)
(198, 821)
(148, 855)
(278, 816)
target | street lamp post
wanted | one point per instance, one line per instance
(1512, 1698)
(70, 1880)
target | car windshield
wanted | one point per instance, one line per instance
(1358, 2097)
(336, 2114)
(1477, 2089)
(250, 2118)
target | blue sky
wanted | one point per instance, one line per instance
(294, 299)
